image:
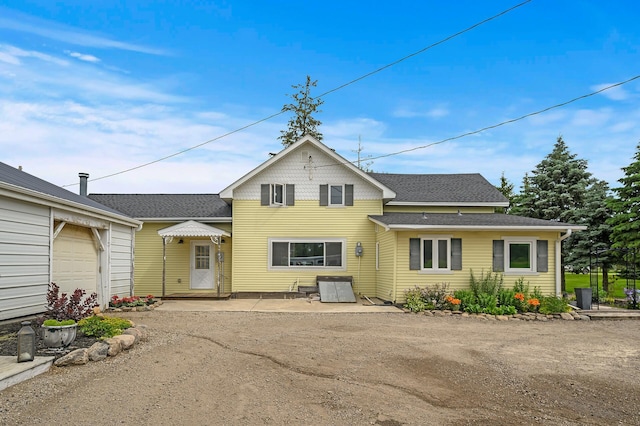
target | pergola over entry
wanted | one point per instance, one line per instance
(191, 229)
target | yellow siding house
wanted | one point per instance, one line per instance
(307, 212)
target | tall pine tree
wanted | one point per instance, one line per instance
(506, 188)
(597, 237)
(302, 123)
(626, 208)
(555, 190)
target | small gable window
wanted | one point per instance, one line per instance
(336, 195)
(277, 194)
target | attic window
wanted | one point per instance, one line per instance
(277, 194)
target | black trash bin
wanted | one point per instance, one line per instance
(583, 298)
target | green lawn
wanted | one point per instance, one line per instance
(616, 285)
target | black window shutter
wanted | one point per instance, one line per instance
(543, 255)
(264, 194)
(291, 197)
(414, 253)
(456, 254)
(324, 195)
(498, 256)
(348, 195)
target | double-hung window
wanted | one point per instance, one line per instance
(303, 253)
(336, 195)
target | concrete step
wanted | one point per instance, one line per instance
(13, 372)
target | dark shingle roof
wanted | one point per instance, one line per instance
(167, 205)
(24, 180)
(454, 220)
(441, 188)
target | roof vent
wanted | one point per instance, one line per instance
(84, 177)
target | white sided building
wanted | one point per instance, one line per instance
(49, 234)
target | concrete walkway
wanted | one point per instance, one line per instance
(273, 305)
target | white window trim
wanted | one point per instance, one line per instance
(533, 257)
(434, 247)
(329, 203)
(272, 195)
(307, 268)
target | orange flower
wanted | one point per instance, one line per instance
(454, 301)
(533, 302)
(519, 296)
(448, 299)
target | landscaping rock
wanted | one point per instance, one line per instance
(115, 347)
(98, 351)
(502, 318)
(567, 316)
(77, 357)
(126, 341)
(137, 334)
(585, 317)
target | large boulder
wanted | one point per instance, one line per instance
(77, 357)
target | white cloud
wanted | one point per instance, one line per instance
(83, 57)
(55, 31)
(617, 93)
(591, 118)
(12, 55)
(435, 112)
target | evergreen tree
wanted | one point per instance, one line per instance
(302, 123)
(626, 208)
(596, 238)
(556, 190)
(506, 188)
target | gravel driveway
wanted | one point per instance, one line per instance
(205, 368)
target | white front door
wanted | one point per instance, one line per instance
(202, 264)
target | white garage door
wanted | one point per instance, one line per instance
(75, 260)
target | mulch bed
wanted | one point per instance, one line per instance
(9, 341)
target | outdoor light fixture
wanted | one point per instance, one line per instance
(180, 241)
(424, 215)
(26, 342)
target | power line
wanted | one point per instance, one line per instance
(493, 126)
(444, 40)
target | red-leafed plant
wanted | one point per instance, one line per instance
(61, 307)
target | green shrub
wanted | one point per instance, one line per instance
(103, 327)
(467, 298)
(414, 301)
(506, 297)
(486, 284)
(553, 305)
(487, 301)
(473, 309)
(521, 287)
(56, 323)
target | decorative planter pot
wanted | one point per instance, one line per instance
(59, 336)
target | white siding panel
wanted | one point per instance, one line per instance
(121, 260)
(24, 258)
(296, 170)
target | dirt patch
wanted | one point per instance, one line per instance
(385, 369)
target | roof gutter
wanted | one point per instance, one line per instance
(559, 260)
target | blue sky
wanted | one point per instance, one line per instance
(104, 86)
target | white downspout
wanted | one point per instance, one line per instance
(559, 261)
